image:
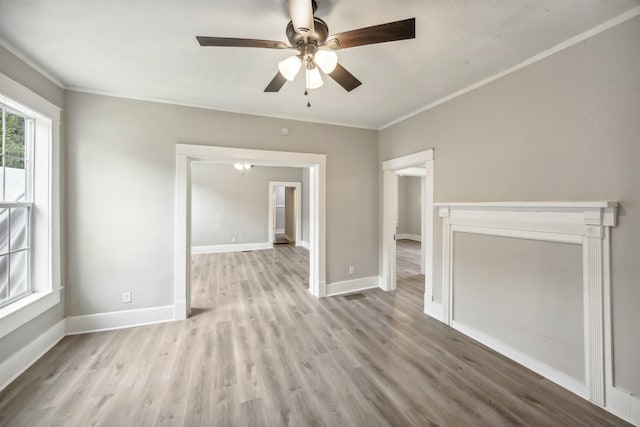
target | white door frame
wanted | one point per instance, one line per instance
(390, 168)
(186, 154)
(298, 207)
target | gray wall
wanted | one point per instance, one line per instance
(564, 128)
(17, 70)
(121, 191)
(409, 197)
(506, 302)
(227, 203)
(290, 212)
(279, 201)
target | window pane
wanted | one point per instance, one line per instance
(4, 231)
(1, 177)
(4, 283)
(14, 145)
(19, 219)
(1, 122)
(18, 274)
(14, 180)
(14, 157)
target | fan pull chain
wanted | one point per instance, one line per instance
(308, 95)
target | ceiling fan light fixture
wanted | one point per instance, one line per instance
(327, 60)
(289, 67)
(314, 80)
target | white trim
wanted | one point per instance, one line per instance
(351, 286)
(304, 244)
(188, 153)
(46, 265)
(527, 206)
(412, 172)
(619, 402)
(298, 209)
(118, 319)
(630, 14)
(408, 161)
(21, 360)
(580, 223)
(239, 247)
(279, 230)
(406, 236)
(572, 384)
(390, 169)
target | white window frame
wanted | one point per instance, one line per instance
(45, 215)
(26, 202)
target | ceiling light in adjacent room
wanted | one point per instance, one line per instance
(243, 166)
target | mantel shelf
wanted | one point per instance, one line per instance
(531, 205)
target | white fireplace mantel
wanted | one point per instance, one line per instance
(581, 223)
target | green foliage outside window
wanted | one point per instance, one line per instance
(13, 156)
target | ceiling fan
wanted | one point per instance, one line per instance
(309, 35)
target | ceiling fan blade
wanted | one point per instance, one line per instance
(233, 42)
(276, 84)
(389, 32)
(344, 78)
(301, 12)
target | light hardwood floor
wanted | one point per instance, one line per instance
(260, 350)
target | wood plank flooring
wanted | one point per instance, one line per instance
(259, 350)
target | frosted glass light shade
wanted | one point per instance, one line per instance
(326, 60)
(238, 166)
(289, 67)
(314, 80)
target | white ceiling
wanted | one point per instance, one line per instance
(147, 49)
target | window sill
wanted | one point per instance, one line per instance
(26, 309)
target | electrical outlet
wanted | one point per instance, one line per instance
(233, 240)
(126, 297)
(352, 269)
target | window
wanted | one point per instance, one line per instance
(29, 205)
(16, 133)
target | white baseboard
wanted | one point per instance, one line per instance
(289, 238)
(279, 230)
(303, 244)
(118, 319)
(572, 384)
(623, 405)
(21, 360)
(405, 236)
(354, 285)
(214, 249)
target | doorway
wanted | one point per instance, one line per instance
(391, 169)
(186, 154)
(285, 213)
(409, 226)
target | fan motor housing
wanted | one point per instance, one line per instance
(317, 37)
